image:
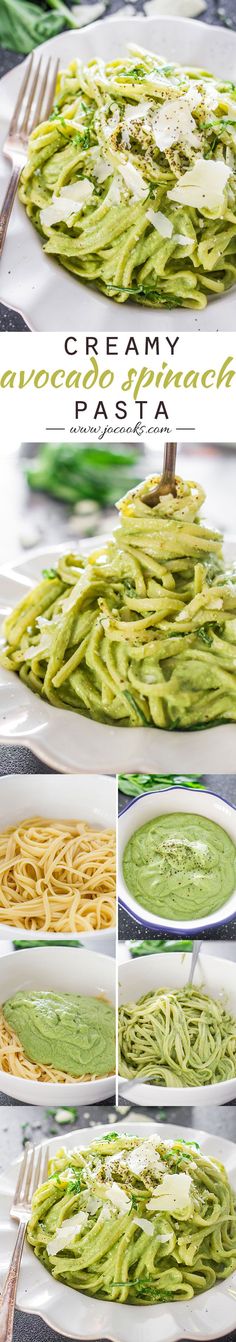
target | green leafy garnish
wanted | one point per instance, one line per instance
(49, 573)
(134, 784)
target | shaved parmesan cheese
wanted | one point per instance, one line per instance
(84, 14)
(161, 223)
(174, 124)
(186, 9)
(133, 180)
(42, 647)
(102, 169)
(118, 1156)
(212, 96)
(119, 1198)
(144, 1225)
(112, 125)
(144, 1158)
(182, 240)
(93, 1205)
(106, 1213)
(59, 212)
(193, 97)
(202, 186)
(113, 195)
(134, 113)
(69, 203)
(78, 191)
(94, 1173)
(172, 1195)
(67, 1232)
(137, 111)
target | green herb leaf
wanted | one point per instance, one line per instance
(49, 573)
(25, 24)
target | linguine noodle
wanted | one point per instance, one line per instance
(57, 876)
(177, 1038)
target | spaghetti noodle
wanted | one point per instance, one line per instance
(131, 182)
(135, 1220)
(57, 876)
(177, 1038)
(143, 631)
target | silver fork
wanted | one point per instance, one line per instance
(34, 104)
(33, 1171)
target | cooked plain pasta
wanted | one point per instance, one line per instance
(135, 1220)
(131, 182)
(177, 1037)
(57, 876)
(142, 632)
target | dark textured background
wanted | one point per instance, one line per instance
(221, 12)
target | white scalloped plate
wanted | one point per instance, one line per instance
(32, 282)
(208, 1316)
(72, 743)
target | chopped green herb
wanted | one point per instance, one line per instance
(49, 573)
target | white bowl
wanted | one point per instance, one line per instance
(207, 1316)
(171, 970)
(52, 969)
(89, 797)
(73, 743)
(164, 802)
(33, 282)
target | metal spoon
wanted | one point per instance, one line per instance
(167, 482)
(194, 960)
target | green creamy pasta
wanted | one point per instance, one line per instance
(143, 632)
(131, 183)
(177, 1038)
(137, 1221)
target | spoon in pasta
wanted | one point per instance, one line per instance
(194, 960)
(167, 482)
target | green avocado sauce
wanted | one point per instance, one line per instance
(180, 866)
(73, 1034)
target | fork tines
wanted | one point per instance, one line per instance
(35, 97)
(32, 1172)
